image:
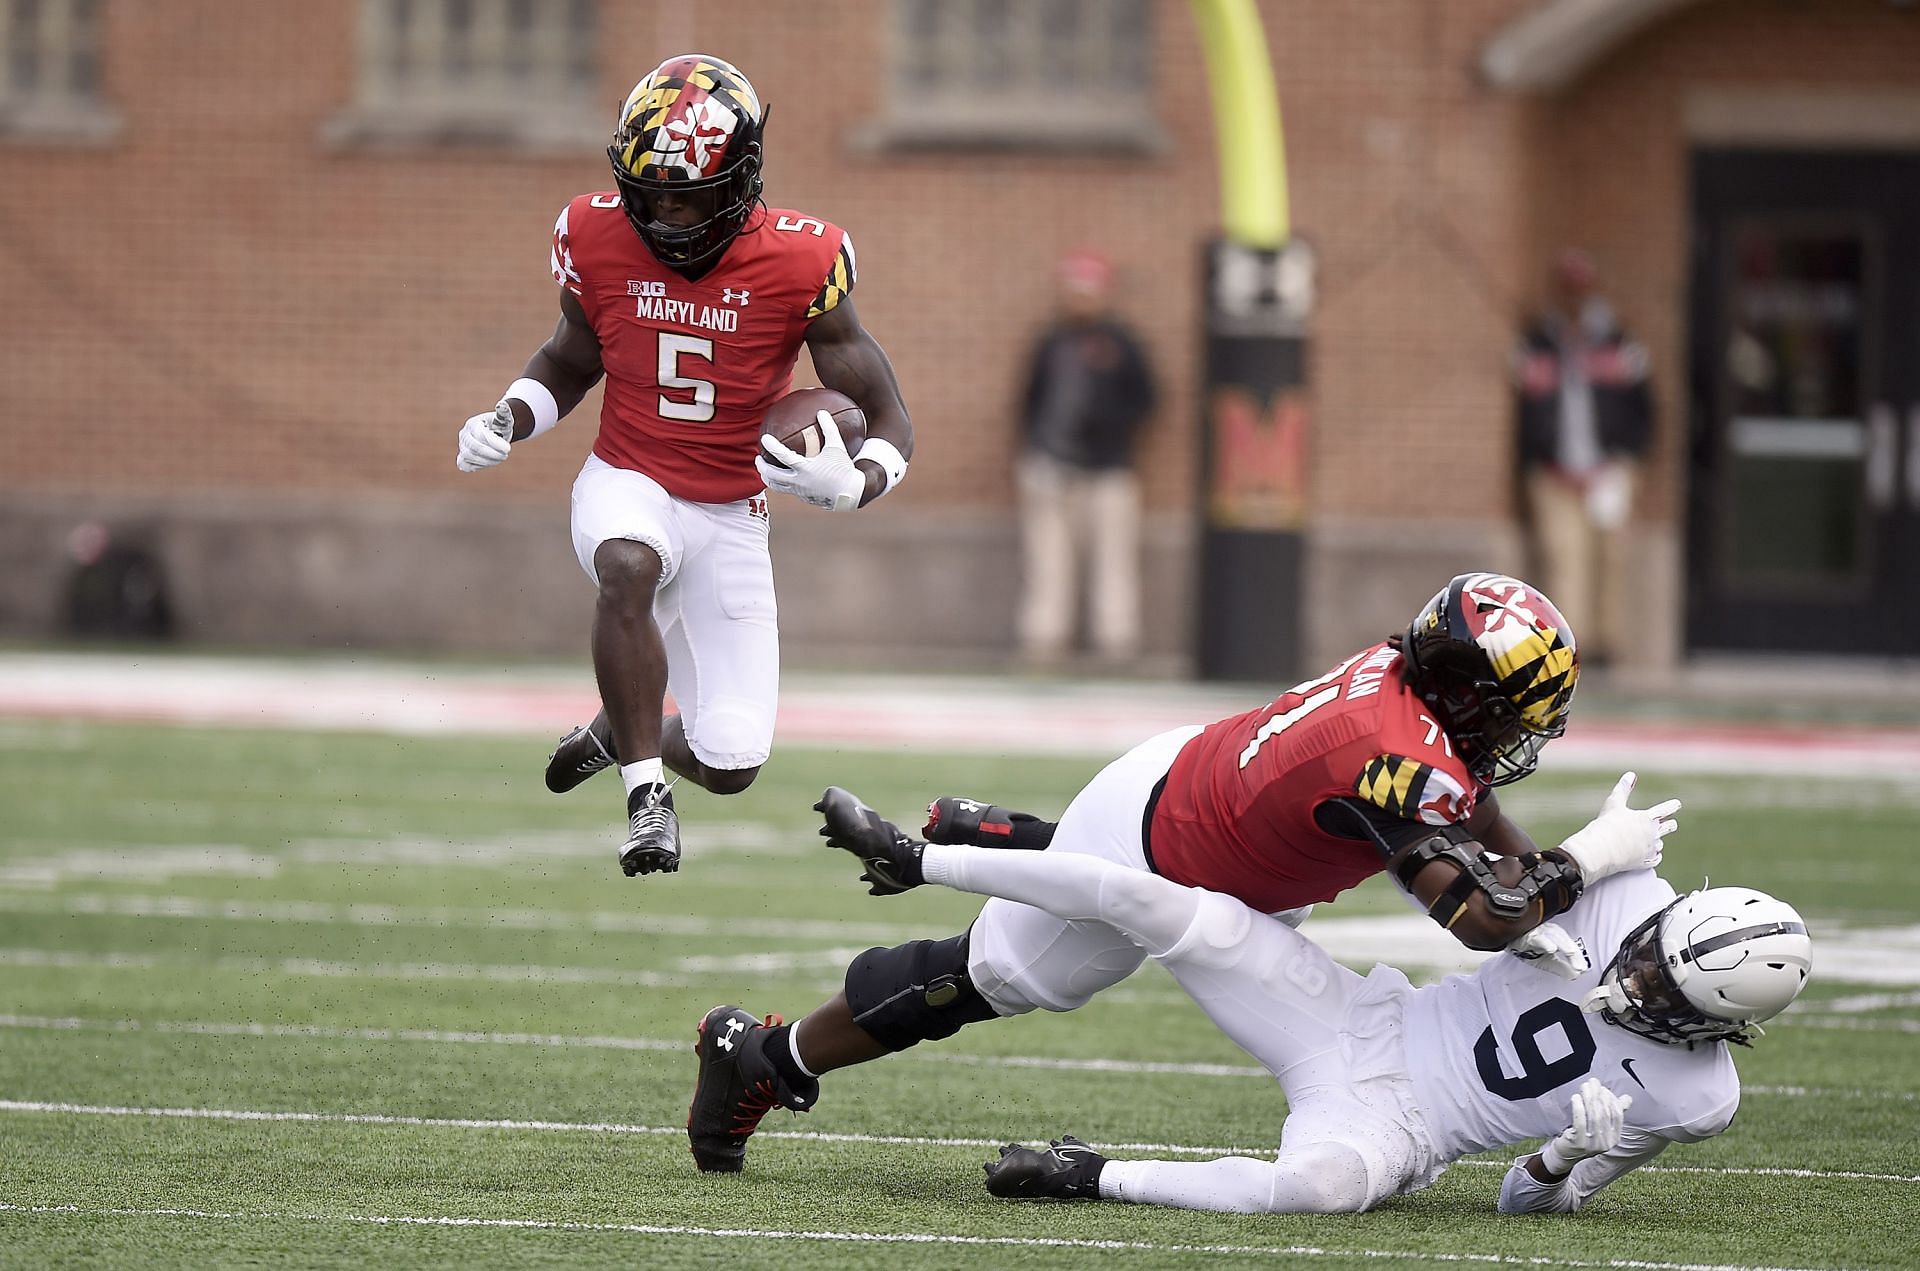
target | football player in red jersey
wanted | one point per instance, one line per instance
(1388, 761)
(692, 297)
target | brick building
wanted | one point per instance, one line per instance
(259, 261)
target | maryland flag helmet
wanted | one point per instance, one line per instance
(693, 127)
(1496, 663)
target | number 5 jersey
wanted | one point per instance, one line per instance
(693, 365)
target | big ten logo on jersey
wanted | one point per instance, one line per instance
(654, 305)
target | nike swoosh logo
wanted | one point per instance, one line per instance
(1628, 1065)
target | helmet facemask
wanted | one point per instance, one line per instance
(688, 247)
(1486, 728)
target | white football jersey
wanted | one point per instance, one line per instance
(1496, 1056)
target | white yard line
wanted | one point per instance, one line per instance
(877, 1238)
(588, 1041)
(828, 959)
(1884, 955)
(322, 1032)
(1850, 1023)
(907, 1140)
(361, 914)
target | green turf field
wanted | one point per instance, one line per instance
(423, 1020)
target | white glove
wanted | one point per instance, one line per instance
(1598, 1117)
(1552, 948)
(827, 480)
(485, 439)
(1621, 838)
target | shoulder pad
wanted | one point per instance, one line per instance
(1407, 788)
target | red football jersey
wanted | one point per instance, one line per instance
(1236, 815)
(692, 366)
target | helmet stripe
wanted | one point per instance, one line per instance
(1711, 944)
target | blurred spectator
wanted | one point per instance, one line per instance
(1088, 392)
(117, 589)
(1585, 420)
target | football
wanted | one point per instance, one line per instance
(794, 420)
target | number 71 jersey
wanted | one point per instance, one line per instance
(693, 365)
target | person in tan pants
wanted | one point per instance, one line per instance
(1585, 419)
(1089, 390)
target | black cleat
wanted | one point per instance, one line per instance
(581, 753)
(1066, 1170)
(956, 819)
(891, 855)
(736, 1087)
(653, 832)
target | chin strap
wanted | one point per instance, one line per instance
(1607, 997)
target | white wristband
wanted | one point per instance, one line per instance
(539, 400)
(893, 464)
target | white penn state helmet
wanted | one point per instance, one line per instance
(1711, 966)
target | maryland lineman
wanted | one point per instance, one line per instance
(692, 297)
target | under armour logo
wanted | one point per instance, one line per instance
(734, 1027)
(729, 296)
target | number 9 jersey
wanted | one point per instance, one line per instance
(692, 365)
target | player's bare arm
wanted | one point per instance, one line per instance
(1497, 832)
(568, 364)
(1489, 900)
(556, 377)
(849, 360)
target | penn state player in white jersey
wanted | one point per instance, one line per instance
(1611, 1063)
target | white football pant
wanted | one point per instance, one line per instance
(715, 606)
(1276, 994)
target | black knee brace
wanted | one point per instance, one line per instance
(914, 992)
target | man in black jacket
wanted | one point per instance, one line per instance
(1088, 391)
(1585, 420)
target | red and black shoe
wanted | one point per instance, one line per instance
(971, 823)
(737, 1086)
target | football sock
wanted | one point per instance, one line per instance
(641, 772)
(793, 1049)
(781, 1052)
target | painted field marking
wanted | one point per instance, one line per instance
(904, 1140)
(874, 1237)
(497, 973)
(363, 914)
(1123, 1067)
(1848, 954)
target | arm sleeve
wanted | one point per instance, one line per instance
(841, 276)
(1522, 1193)
(1413, 791)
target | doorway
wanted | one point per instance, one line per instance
(1803, 526)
